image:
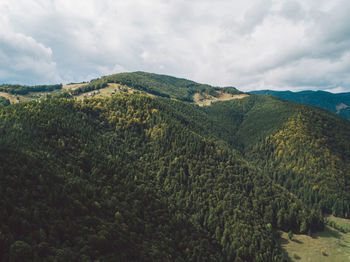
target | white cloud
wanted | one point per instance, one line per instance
(23, 59)
(288, 44)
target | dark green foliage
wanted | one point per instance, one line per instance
(93, 85)
(135, 178)
(336, 103)
(22, 89)
(303, 148)
(250, 119)
(129, 179)
(4, 102)
(20, 251)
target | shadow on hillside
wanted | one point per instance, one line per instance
(295, 257)
(297, 241)
(284, 241)
(328, 232)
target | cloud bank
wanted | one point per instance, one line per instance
(266, 44)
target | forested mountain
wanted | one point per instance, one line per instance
(160, 85)
(336, 103)
(133, 177)
(303, 148)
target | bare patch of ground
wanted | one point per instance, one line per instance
(204, 99)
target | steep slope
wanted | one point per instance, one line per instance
(132, 178)
(303, 148)
(336, 103)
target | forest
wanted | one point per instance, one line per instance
(23, 89)
(131, 177)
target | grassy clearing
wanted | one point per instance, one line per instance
(341, 224)
(328, 245)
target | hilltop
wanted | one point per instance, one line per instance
(146, 83)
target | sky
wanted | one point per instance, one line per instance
(251, 44)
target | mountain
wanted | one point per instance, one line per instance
(161, 85)
(303, 148)
(136, 168)
(336, 103)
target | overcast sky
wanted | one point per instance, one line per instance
(250, 44)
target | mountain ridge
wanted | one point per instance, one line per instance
(338, 103)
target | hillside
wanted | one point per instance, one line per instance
(132, 168)
(143, 82)
(336, 103)
(303, 148)
(116, 178)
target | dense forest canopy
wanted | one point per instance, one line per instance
(303, 148)
(23, 89)
(137, 178)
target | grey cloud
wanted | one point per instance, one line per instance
(292, 10)
(250, 44)
(255, 16)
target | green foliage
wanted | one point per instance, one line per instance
(22, 89)
(303, 148)
(130, 178)
(93, 85)
(308, 156)
(20, 251)
(135, 178)
(4, 102)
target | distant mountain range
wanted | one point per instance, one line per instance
(336, 103)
